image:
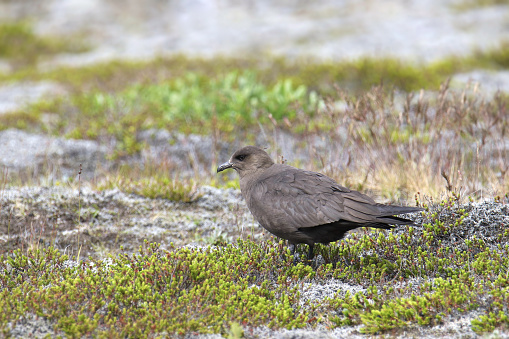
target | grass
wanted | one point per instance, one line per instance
(356, 75)
(23, 48)
(189, 104)
(476, 4)
(415, 142)
(407, 144)
(152, 182)
(421, 277)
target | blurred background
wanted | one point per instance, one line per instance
(357, 89)
(421, 31)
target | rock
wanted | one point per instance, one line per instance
(55, 157)
(14, 96)
(33, 326)
(212, 198)
(486, 81)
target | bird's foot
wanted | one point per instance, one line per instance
(311, 252)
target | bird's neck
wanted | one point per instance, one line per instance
(249, 178)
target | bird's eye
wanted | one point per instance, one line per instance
(241, 157)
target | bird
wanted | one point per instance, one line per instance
(306, 207)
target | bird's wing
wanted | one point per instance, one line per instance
(308, 199)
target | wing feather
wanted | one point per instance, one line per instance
(308, 199)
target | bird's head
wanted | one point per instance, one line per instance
(246, 160)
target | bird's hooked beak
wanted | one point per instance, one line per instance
(224, 166)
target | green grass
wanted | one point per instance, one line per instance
(150, 182)
(158, 182)
(127, 95)
(476, 4)
(117, 99)
(192, 103)
(457, 277)
(356, 75)
(396, 130)
(23, 48)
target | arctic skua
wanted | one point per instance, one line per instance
(304, 206)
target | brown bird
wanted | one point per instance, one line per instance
(303, 206)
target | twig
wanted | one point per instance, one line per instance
(79, 215)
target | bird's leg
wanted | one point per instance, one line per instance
(292, 248)
(311, 252)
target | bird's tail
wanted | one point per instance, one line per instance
(388, 213)
(388, 222)
(388, 210)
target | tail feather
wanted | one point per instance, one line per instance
(381, 225)
(395, 220)
(390, 210)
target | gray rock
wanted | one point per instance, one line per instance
(485, 81)
(415, 30)
(318, 290)
(319, 333)
(50, 156)
(16, 95)
(32, 326)
(485, 220)
(213, 198)
(112, 218)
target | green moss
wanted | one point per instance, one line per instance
(494, 58)
(380, 311)
(157, 292)
(20, 45)
(499, 56)
(224, 182)
(411, 279)
(20, 120)
(466, 5)
(355, 75)
(456, 279)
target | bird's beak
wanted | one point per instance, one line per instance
(224, 166)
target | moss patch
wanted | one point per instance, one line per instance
(475, 4)
(23, 48)
(156, 292)
(423, 276)
(356, 75)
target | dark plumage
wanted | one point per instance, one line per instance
(304, 206)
